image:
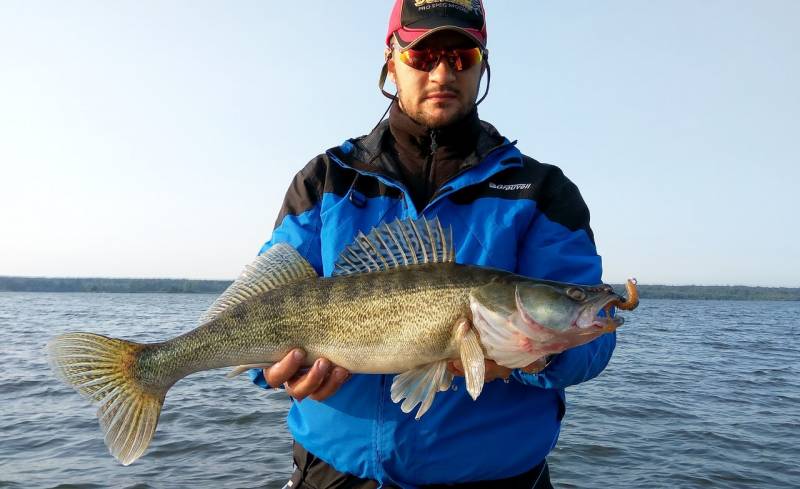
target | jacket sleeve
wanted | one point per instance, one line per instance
(559, 245)
(298, 224)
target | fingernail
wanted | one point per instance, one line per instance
(299, 354)
(323, 365)
(341, 375)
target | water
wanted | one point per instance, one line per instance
(698, 394)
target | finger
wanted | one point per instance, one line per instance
(497, 372)
(284, 370)
(455, 368)
(494, 371)
(535, 367)
(331, 384)
(303, 386)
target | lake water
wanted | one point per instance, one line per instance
(698, 394)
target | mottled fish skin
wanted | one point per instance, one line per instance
(384, 322)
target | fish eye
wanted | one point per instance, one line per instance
(576, 294)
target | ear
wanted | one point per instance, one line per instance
(387, 55)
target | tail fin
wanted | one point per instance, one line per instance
(103, 370)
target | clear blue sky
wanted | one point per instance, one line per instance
(156, 139)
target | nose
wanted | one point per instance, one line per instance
(442, 73)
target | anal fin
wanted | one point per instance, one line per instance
(420, 385)
(244, 368)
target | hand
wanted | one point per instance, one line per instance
(319, 382)
(496, 371)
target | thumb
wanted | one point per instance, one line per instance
(456, 368)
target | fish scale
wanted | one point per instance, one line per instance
(369, 323)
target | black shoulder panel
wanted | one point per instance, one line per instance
(322, 175)
(555, 195)
(305, 191)
(561, 201)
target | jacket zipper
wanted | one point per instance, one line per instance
(378, 427)
(429, 162)
(434, 144)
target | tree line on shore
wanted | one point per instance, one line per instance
(122, 285)
(717, 292)
(184, 286)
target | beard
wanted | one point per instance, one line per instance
(434, 121)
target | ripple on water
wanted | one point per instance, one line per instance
(698, 394)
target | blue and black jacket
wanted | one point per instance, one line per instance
(507, 211)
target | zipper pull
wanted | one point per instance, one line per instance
(434, 144)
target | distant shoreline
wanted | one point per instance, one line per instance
(185, 286)
(120, 285)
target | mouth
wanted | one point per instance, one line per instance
(589, 320)
(442, 95)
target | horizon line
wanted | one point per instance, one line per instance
(44, 277)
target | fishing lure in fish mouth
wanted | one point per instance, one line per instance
(632, 302)
(397, 303)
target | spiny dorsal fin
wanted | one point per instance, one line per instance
(279, 265)
(399, 244)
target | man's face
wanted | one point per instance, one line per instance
(439, 97)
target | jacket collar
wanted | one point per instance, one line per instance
(418, 142)
(367, 154)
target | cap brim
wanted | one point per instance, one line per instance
(408, 38)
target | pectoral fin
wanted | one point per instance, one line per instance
(472, 358)
(420, 385)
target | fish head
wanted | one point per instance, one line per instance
(562, 307)
(520, 320)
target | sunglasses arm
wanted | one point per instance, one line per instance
(382, 79)
(488, 79)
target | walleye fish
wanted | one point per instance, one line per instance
(397, 303)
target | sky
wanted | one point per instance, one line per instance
(157, 139)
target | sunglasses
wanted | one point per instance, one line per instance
(427, 59)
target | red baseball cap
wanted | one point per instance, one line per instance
(413, 20)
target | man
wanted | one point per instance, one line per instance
(434, 157)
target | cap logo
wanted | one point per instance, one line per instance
(412, 20)
(463, 5)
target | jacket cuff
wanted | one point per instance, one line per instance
(538, 379)
(257, 377)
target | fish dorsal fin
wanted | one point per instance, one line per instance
(399, 244)
(279, 265)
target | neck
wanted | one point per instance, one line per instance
(456, 139)
(427, 157)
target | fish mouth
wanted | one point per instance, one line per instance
(589, 320)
